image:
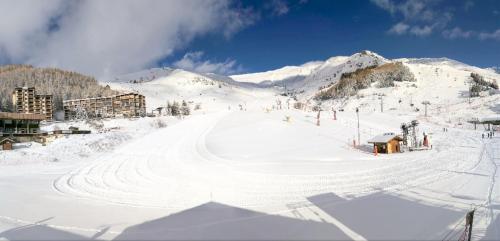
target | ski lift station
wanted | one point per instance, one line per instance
(386, 143)
(487, 122)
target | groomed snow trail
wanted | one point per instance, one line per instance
(173, 168)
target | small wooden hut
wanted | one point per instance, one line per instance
(386, 143)
(6, 143)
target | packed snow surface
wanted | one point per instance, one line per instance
(242, 168)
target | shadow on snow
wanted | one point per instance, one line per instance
(381, 216)
(378, 216)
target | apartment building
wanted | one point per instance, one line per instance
(123, 105)
(26, 100)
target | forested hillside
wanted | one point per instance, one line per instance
(349, 83)
(59, 83)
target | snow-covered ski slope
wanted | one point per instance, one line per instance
(230, 174)
(278, 74)
(254, 161)
(211, 91)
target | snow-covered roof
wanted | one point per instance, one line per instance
(384, 138)
(490, 118)
(6, 139)
(20, 116)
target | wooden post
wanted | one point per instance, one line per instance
(375, 149)
(319, 113)
(357, 114)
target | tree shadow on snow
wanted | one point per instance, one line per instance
(216, 221)
(381, 216)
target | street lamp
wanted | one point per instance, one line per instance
(357, 114)
(381, 98)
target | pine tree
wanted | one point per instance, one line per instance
(185, 108)
(175, 109)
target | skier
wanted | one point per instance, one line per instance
(483, 135)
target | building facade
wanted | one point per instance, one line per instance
(20, 123)
(25, 100)
(124, 105)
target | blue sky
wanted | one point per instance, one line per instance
(113, 37)
(318, 29)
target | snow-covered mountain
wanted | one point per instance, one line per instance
(332, 69)
(442, 81)
(167, 84)
(142, 76)
(496, 69)
(278, 74)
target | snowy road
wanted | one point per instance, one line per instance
(257, 171)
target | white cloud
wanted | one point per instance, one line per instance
(278, 7)
(24, 25)
(110, 37)
(399, 28)
(409, 9)
(193, 61)
(495, 35)
(457, 33)
(416, 17)
(387, 5)
(421, 31)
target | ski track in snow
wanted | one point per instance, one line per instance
(179, 172)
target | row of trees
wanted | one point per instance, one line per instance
(479, 84)
(59, 83)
